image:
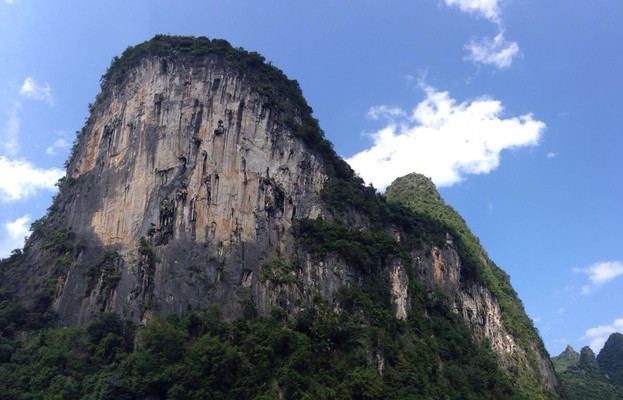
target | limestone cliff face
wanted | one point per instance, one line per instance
(185, 190)
(186, 157)
(192, 151)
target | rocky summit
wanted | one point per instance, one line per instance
(201, 181)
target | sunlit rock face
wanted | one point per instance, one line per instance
(192, 151)
(187, 156)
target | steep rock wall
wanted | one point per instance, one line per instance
(189, 158)
(193, 151)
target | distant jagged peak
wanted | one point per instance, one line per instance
(587, 359)
(610, 358)
(568, 358)
(569, 353)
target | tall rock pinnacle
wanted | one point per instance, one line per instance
(202, 180)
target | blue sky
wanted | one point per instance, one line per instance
(511, 106)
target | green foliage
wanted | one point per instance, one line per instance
(582, 384)
(364, 250)
(60, 249)
(60, 241)
(568, 358)
(148, 257)
(413, 207)
(320, 354)
(279, 272)
(107, 267)
(610, 358)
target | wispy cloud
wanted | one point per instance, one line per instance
(15, 233)
(10, 134)
(59, 144)
(20, 179)
(9, 137)
(62, 143)
(387, 112)
(497, 51)
(488, 9)
(551, 154)
(31, 90)
(599, 334)
(600, 273)
(443, 139)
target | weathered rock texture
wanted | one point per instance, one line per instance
(189, 158)
(184, 190)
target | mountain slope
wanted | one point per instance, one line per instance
(202, 182)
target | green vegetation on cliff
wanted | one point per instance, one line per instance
(361, 353)
(413, 206)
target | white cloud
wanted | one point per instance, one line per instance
(551, 154)
(496, 51)
(16, 232)
(21, 179)
(382, 111)
(444, 140)
(599, 334)
(31, 90)
(10, 136)
(600, 273)
(62, 143)
(488, 9)
(9, 139)
(59, 144)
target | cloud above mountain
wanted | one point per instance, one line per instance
(600, 273)
(442, 139)
(598, 335)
